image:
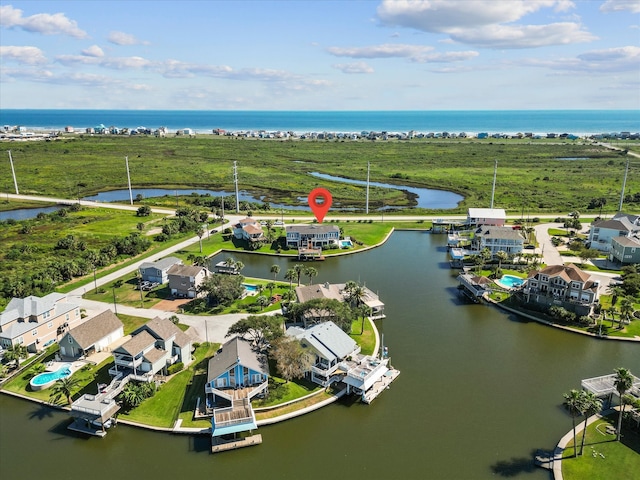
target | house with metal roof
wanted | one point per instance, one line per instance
(312, 236)
(329, 346)
(36, 322)
(486, 216)
(93, 335)
(496, 239)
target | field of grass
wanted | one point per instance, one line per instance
(530, 174)
(603, 458)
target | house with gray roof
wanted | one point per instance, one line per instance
(93, 335)
(158, 271)
(184, 280)
(36, 322)
(496, 239)
(329, 346)
(625, 250)
(235, 375)
(312, 236)
(602, 232)
(171, 339)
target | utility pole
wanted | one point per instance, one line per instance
(493, 190)
(368, 171)
(15, 182)
(624, 185)
(235, 181)
(126, 161)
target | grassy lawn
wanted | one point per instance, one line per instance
(366, 339)
(603, 458)
(276, 412)
(19, 204)
(131, 323)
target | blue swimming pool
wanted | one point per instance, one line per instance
(46, 379)
(250, 288)
(510, 281)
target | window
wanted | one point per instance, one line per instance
(34, 332)
(50, 325)
(46, 314)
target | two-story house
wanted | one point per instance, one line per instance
(625, 250)
(235, 375)
(496, 239)
(36, 322)
(603, 232)
(248, 229)
(566, 286)
(184, 280)
(328, 345)
(158, 272)
(486, 216)
(312, 236)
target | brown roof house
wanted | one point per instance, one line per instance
(562, 285)
(184, 280)
(248, 229)
(94, 335)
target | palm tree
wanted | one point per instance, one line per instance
(311, 272)
(262, 301)
(616, 292)
(364, 311)
(200, 233)
(612, 310)
(270, 287)
(626, 309)
(239, 266)
(290, 275)
(298, 269)
(15, 352)
(573, 402)
(623, 383)
(591, 405)
(63, 387)
(501, 255)
(275, 269)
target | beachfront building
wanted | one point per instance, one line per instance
(498, 239)
(158, 272)
(248, 229)
(625, 250)
(603, 232)
(36, 322)
(565, 286)
(93, 335)
(486, 216)
(185, 280)
(328, 345)
(312, 236)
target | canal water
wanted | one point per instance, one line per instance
(480, 391)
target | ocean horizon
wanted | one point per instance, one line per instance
(576, 122)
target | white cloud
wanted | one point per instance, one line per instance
(358, 67)
(93, 51)
(607, 61)
(121, 38)
(483, 22)
(416, 53)
(26, 55)
(44, 23)
(632, 6)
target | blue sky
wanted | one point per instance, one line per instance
(320, 55)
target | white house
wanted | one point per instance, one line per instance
(248, 229)
(312, 235)
(603, 232)
(506, 239)
(486, 216)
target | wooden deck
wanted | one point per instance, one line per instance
(220, 445)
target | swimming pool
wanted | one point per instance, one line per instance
(46, 379)
(510, 281)
(250, 288)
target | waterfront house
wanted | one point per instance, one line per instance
(158, 272)
(36, 322)
(93, 335)
(328, 345)
(184, 280)
(565, 286)
(248, 229)
(486, 216)
(235, 375)
(602, 232)
(171, 339)
(316, 236)
(496, 239)
(625, 250)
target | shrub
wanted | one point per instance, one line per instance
(175, 368)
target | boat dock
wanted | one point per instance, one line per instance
(381, 385)
(218, 444)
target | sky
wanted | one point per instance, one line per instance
(320, 54)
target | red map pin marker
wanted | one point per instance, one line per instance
(320, 202)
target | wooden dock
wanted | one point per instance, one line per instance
(80, 426)
(220, 445)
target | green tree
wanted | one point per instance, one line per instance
(200, 233)
(270, 287)
(222, 289)
(63, 388)
(290, 275)
(616, 292)
(588, 254)
(260, 330)
(292, 361)
(623, 383)
(573, 402)
(144, 211)
(298, 268)
(132, 395)
(262, 301)
(275, 270)
(501, 255)
(590, 404)
(15, 352)
(310, 272)
(626, 310)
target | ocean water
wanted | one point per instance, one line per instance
(578, 122)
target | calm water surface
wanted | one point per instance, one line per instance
(479, 391)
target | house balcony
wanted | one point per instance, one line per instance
(128, 363)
